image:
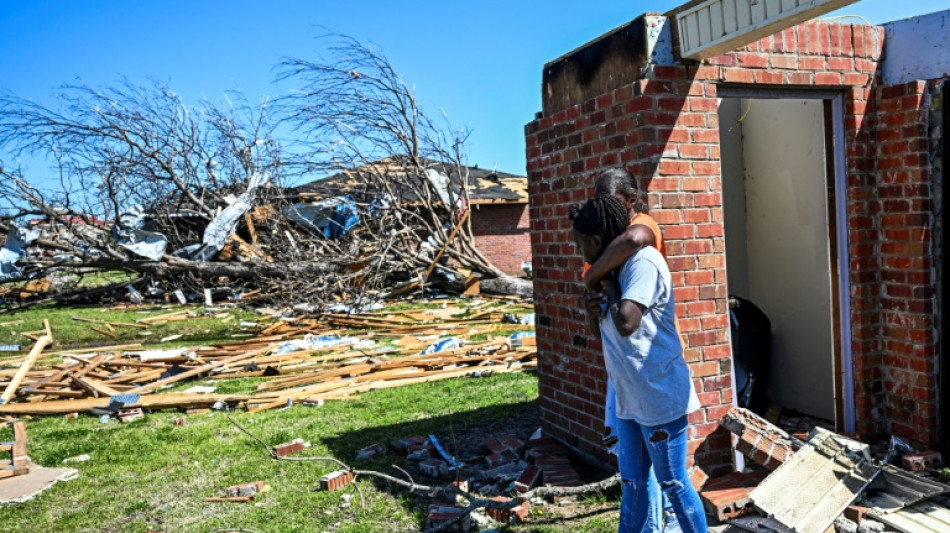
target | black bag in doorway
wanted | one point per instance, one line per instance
(751, 353)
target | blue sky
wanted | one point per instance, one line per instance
(480, 62)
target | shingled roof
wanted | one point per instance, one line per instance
(484, 186)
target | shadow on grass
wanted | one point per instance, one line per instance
(461, 433)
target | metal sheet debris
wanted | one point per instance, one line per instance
(924, 517)
(129, 233)
(901, 490)
(223, 225)
(811, 488)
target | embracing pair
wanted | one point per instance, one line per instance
(629, 304)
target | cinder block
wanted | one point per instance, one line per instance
(336, 480)
(924, 460)
(728, 496)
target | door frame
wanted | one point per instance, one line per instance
(839, 247)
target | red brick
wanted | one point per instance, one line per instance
(336, 480)
(925, 460)
(289, 447)
(728, 496)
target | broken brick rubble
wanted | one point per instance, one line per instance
(336, 480)
(922, 461)
(727, 497)
(759, 440)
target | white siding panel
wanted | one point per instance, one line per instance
(730, 17)
(758, 11)
(717, 26)
(715, 21)
(705, 32)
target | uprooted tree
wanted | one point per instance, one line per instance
(194, 197)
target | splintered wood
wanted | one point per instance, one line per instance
(306, 359)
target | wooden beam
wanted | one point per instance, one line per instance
(34, 354)
(195, 371)
(448, 241)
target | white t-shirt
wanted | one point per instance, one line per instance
(647, 369)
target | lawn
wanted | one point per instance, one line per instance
(150, 475)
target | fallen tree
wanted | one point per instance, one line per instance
(187, 198)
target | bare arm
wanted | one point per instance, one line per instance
(626, 314)
(617, 252)
(591, 304)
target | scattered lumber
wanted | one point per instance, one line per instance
(307, 358)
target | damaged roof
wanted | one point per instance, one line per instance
(484, 186)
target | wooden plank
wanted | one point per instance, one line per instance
(445, 246)
(49, 330)
(147, 401)
(19, 451)
(94, 387)
(105, 332)
(24, 368)
(195, 371)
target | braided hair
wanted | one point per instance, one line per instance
(602, 215)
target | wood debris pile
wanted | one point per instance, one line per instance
(306, 359)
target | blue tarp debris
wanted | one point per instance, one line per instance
(333, 217)
(452, 343)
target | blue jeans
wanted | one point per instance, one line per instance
(661, 518)
(660, 450)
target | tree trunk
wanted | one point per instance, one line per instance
(508, 285)
(246, 270)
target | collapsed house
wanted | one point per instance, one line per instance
(793, 163)
(499, 203)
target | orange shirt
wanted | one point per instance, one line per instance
(646, 220)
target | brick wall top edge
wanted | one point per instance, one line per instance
(617, 59)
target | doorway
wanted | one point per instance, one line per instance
(782, 171)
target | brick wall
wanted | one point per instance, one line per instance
(902, 152)
(665, 128)
(501, 235)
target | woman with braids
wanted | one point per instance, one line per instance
(644, 360)
(642, 231)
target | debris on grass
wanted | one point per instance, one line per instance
(307, 358)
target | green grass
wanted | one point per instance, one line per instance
(69, 333)
(151, 475)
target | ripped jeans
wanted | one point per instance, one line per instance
(664, 448)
